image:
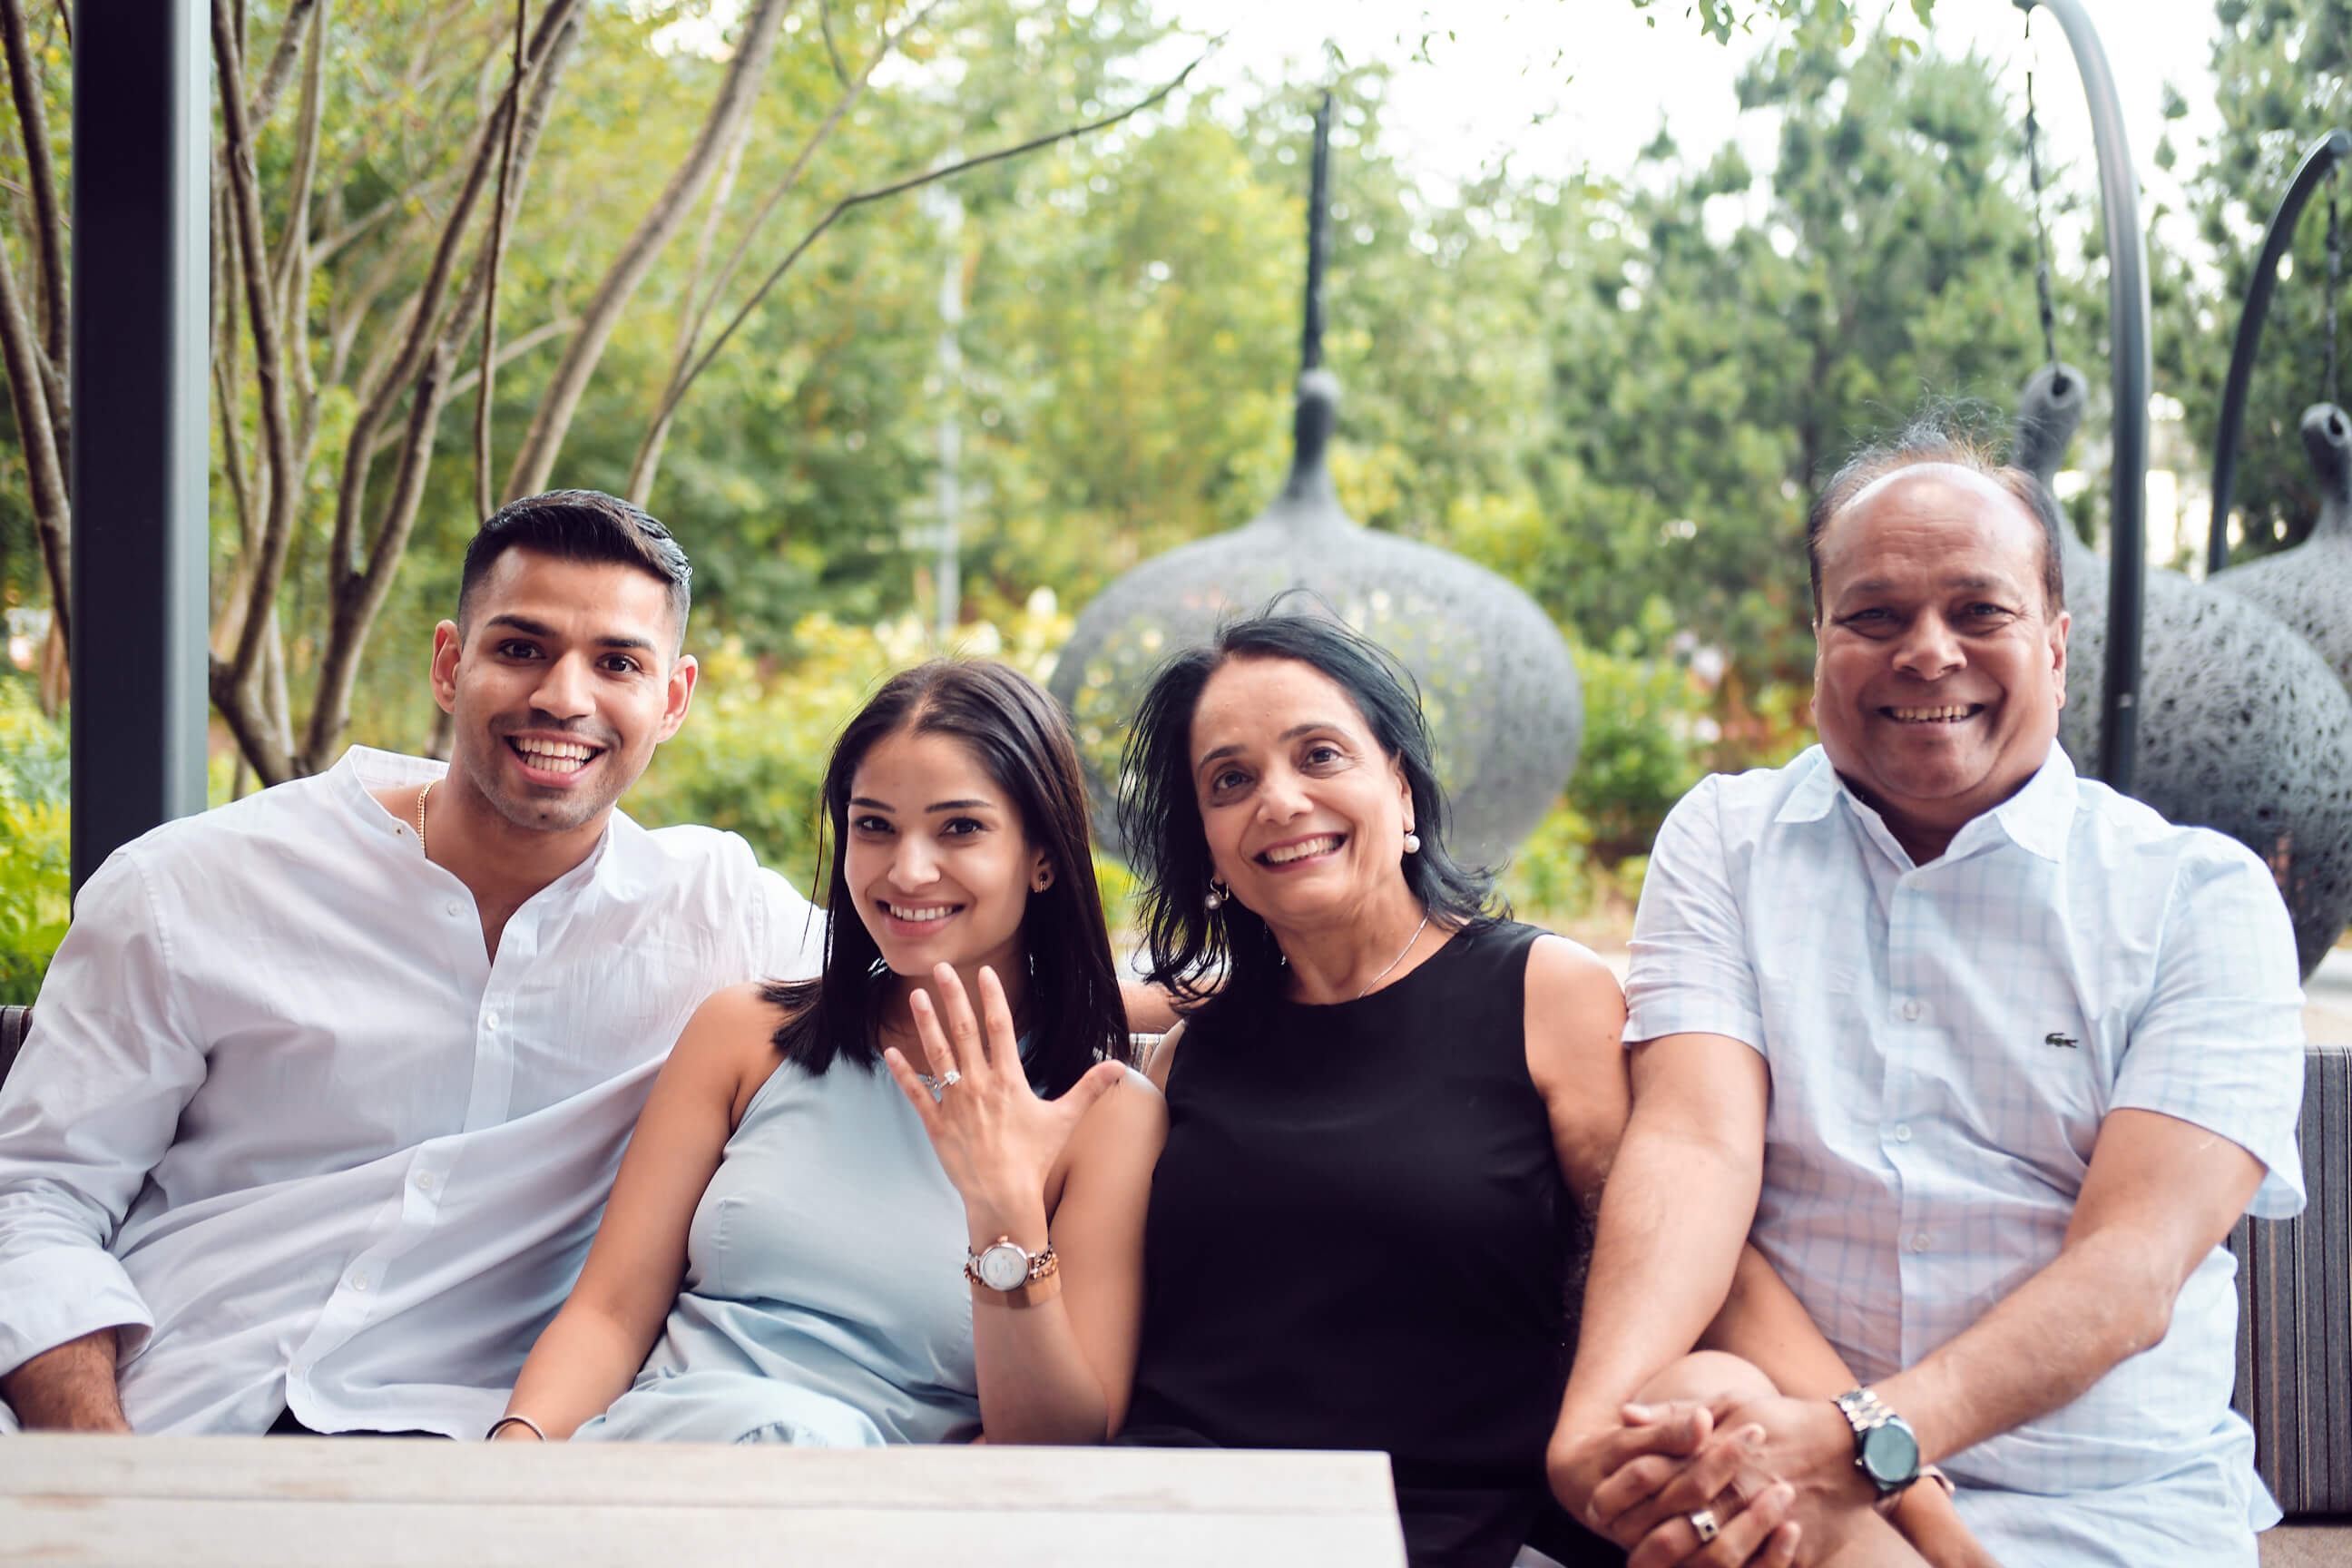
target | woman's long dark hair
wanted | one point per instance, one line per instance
(1016, 732)
(1228, 953)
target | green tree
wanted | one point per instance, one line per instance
(2281, 70)
(1736, 341)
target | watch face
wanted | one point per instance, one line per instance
(1003, 1267)
(1890, 1454)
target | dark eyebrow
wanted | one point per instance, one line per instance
(1290, 734)
(530, 628)
(939, 805)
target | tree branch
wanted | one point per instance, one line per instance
(424, 320)
(671, 400)
(494, 247)
(755, 49)
(263, 106)
(269, 354)
(466, 380)
(52, 511)
(360, 594)
(40, 171)
(824, 26)
(648, 461)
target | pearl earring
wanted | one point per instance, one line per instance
(1411, 842)
(1216, 897)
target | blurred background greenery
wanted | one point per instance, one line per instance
(1618, 387)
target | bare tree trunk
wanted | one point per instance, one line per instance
(40, 175)
(232, 683)
(648, 461)
(549, 426)
(422, 323)
(52, 513)
(359, 596)
(495, 248)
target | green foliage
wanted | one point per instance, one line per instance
(34, 866)
(752, 754)
(2283, 78)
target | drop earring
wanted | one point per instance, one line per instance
(1411, 842)
(1215, 899)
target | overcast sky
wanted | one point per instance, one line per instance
(1563, 83)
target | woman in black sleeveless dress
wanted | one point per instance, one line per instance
(1388, 1109)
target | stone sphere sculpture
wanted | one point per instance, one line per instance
(1497, 680)
(2242, 727)
(2310, 587)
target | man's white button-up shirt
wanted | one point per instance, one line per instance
(1945, 1041)
(284, 1117)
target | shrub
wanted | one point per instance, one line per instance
(34, 843)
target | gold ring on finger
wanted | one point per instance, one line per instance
(1703, 1523)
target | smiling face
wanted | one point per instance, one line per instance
(936, 856)
(1305, 812)
(560, 686)
(1941, 670)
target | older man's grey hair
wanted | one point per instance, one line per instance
(1942, 432)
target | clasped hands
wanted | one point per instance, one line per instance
(1771, 1473)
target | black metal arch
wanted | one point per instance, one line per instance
(2131, 377)
(2319, 161)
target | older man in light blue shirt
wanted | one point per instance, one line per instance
(1996, 1056)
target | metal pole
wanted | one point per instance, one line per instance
(1318, 238)
(142, 119)
(2132, 377)
(2318, 161)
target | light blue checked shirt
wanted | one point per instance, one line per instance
(1945, 1041)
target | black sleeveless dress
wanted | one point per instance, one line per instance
(1359, 1238)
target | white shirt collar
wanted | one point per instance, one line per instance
(362, 769)
(2037, 818)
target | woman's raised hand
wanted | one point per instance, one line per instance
(995, 1139)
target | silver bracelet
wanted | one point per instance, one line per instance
(514, 1421)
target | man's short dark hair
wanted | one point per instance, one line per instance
(1940, 435)
(583, 525)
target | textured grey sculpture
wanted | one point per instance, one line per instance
(2310, 587)
(2242, 727)
(1496, 679)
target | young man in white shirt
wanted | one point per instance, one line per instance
(1994, 1057)
(326, 1088)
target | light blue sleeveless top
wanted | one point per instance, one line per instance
(823, 1302)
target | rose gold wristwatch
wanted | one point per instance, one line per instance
(1009, 1275)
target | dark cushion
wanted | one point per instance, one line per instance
(2294, 1310)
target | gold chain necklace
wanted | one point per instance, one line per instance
(420, 824)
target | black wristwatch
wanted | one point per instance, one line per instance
(1885, 1449)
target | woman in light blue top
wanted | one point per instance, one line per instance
(819, 1244)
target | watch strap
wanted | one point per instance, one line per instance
(1043, 1264)
(1035, 1293)
(1868, 1413)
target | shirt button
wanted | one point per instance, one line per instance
(423, 1181)
(1919, 1242)
(491, 1020)
(1902, 1133)
(359, 1281)
(1910, 1008)
(456, 908)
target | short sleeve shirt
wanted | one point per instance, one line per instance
(1945, 1042)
